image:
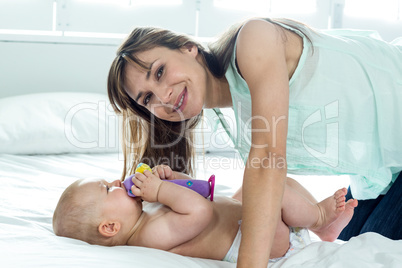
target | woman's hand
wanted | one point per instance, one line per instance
(146, 186)
(163, 172)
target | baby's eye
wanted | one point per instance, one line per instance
(107, 188)
(147, 99)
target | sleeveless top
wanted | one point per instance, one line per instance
(345, 109)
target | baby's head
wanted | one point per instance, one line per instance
(96, 211)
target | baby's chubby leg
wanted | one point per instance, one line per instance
(281, 241)
(301, 190)
(335, 214)
(326, 218)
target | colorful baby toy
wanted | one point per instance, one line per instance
(204, 188)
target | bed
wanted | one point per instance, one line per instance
(49, 140)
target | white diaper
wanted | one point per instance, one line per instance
(298, 237)
(233, 252)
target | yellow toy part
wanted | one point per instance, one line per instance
(141, 167)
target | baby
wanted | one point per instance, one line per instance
(183, 222)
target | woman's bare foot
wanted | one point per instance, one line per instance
(334, 215)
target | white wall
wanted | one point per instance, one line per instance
(46, 67)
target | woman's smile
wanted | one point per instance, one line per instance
(181, 101)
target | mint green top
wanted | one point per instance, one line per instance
(345, 109)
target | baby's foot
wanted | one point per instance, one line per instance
(334, 215)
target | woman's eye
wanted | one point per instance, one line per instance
(147, 99)
(159, 73)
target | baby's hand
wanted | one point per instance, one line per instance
(163, 172)
(146, 186)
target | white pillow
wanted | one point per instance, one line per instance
(59, 122)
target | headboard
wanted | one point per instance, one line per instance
(51, 64)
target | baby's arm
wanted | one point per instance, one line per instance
(190, 212)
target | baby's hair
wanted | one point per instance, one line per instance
(76, 218)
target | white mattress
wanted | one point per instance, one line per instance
(30, 188)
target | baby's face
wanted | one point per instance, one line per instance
(111, 197)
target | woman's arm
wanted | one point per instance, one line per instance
(261, 58)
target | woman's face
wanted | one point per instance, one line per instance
(174, 88)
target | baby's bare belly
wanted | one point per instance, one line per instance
(215, 240)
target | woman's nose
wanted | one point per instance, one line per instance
(165, 95)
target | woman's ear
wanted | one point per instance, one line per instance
(190, 48)
(109, 228)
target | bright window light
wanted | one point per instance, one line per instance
(115, 2)
(249, 5)
(400, 10)
(155, 2)
(269, 6)
(136, 2)
(293, 6)
(54, 20)
(385, 9)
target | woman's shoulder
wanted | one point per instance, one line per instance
(256, 29)
(257, 23)
(260, 45)
(259, 36)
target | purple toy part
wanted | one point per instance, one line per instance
(204, 188)
(128, 183)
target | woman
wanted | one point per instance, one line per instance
(306, 102)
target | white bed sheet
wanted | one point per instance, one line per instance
(31, 186)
